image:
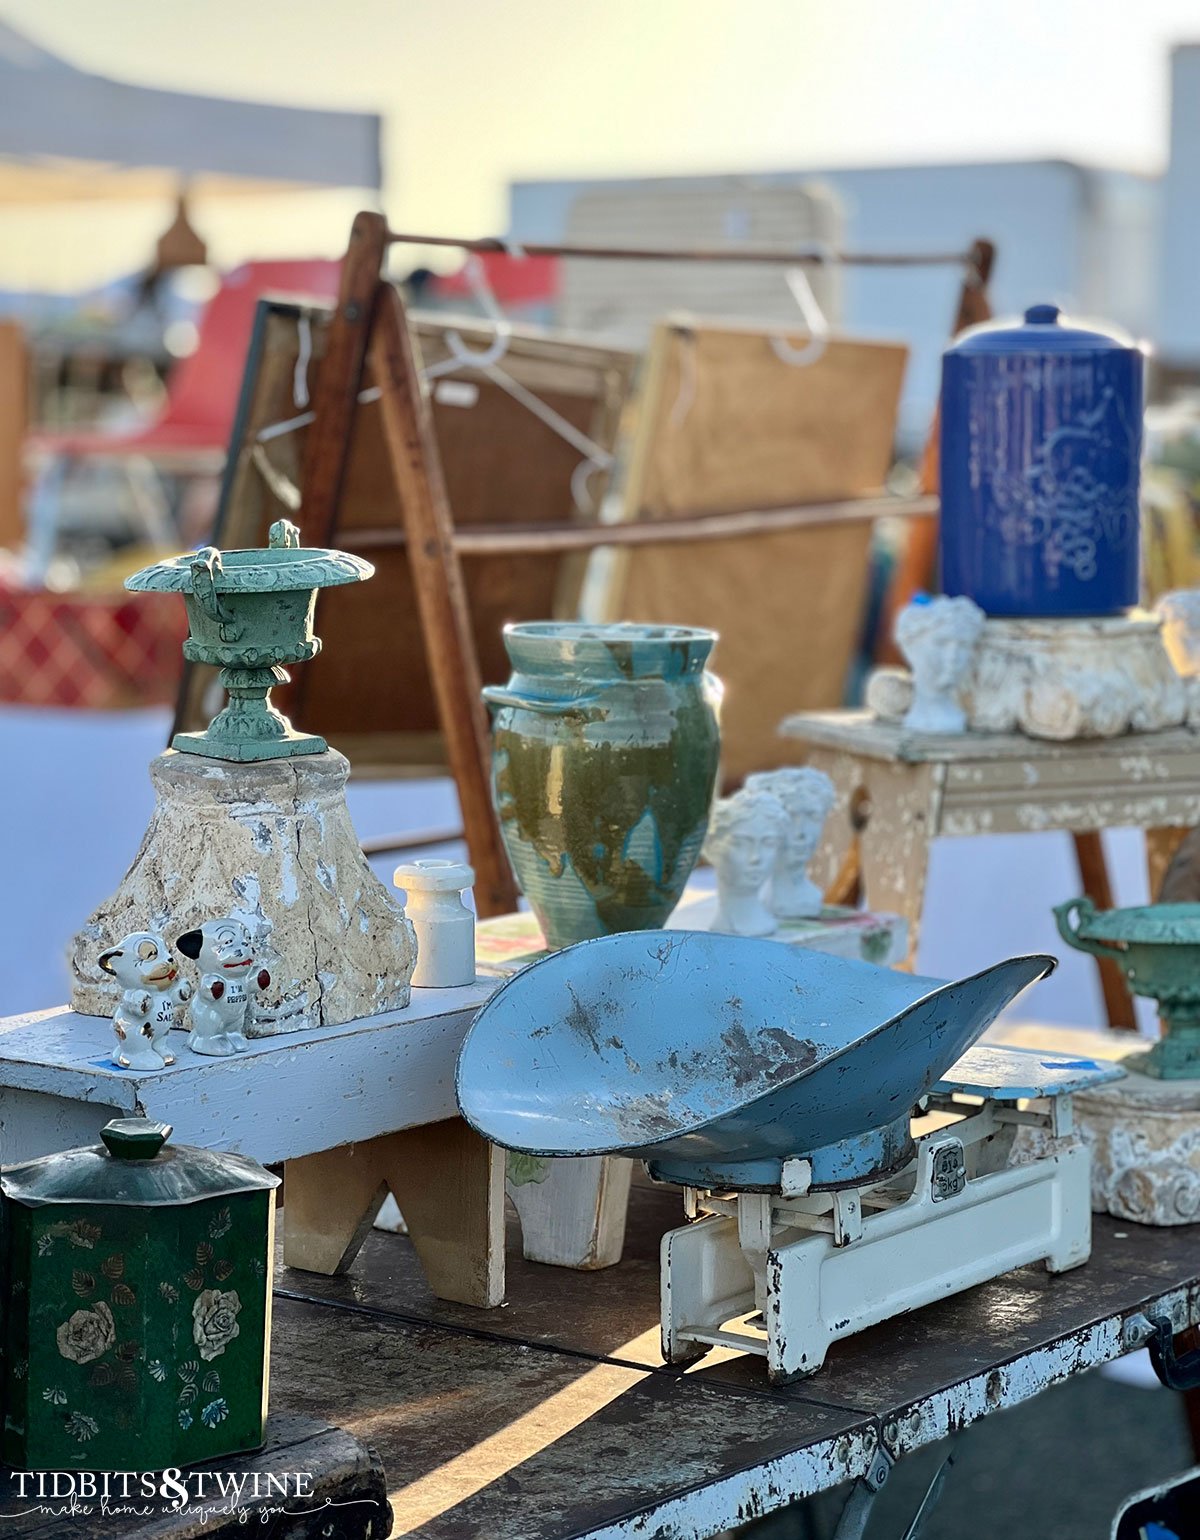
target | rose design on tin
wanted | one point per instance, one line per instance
(215, 1321)
(88, 1334)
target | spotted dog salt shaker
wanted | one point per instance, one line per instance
(444, 925)
(152, 996)
(220, 1009)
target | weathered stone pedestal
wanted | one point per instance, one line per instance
(1144, 1136)
(272, 844)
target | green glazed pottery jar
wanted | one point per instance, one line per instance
(1157, 948)
(604, 767)
(137, 1288)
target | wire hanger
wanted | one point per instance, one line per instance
(461, 356)
(814, 319)
(486, 361)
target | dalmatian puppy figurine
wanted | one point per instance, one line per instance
(152, 996)
(220, 1009)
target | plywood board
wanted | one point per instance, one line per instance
(723, 425)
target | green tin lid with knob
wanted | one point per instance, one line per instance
(135, 1165)
(137, 1286)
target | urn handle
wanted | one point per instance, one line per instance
(283, 535)
(1083, 909)
(206, 568)
(586, 707)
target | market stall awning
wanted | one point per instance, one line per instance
(67, 134)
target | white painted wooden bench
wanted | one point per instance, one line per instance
(353, 1111)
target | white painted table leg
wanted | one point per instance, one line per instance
(573, 1211)
(835, 865)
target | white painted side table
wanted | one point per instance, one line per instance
(353, 1110)
(897, 791)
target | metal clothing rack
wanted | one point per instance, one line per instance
(978, 258)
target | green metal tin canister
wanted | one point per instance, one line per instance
(137, 1290)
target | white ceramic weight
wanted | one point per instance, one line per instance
(444, 925)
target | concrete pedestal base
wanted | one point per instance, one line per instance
(1144, 1136)
(273, 845)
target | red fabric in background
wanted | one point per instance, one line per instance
(99, 651)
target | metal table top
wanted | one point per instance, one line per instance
(554, 1417)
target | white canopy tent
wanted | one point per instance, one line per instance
(65, 133)
(71, 140)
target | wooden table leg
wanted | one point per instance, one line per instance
(884, 818)
(836, 866)
(329, 1203)
(449, 1184)
(900, 822)
(1093, 875)
(1161, 845)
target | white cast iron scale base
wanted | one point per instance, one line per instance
(783, 1276)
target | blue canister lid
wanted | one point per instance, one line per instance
(1043, 329)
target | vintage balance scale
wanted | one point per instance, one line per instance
(778, 1089)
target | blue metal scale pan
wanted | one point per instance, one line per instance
(715, 1058)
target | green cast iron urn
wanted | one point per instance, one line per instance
(249, 612)
(137, 1288)
(1157, 948)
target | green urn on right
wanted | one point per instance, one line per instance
(1157, 947)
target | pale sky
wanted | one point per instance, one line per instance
(478, 92)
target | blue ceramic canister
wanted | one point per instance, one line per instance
(1041, 439)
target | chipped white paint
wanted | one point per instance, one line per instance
(705, 1509)
(1023, 1377)
(272, 845)
(711, 1507)
(823, 1266)
(911, 788)
(376, 1076)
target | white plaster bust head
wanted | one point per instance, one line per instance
(807, 796)
(1180, 612)
(938, 636)
(746, 832)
